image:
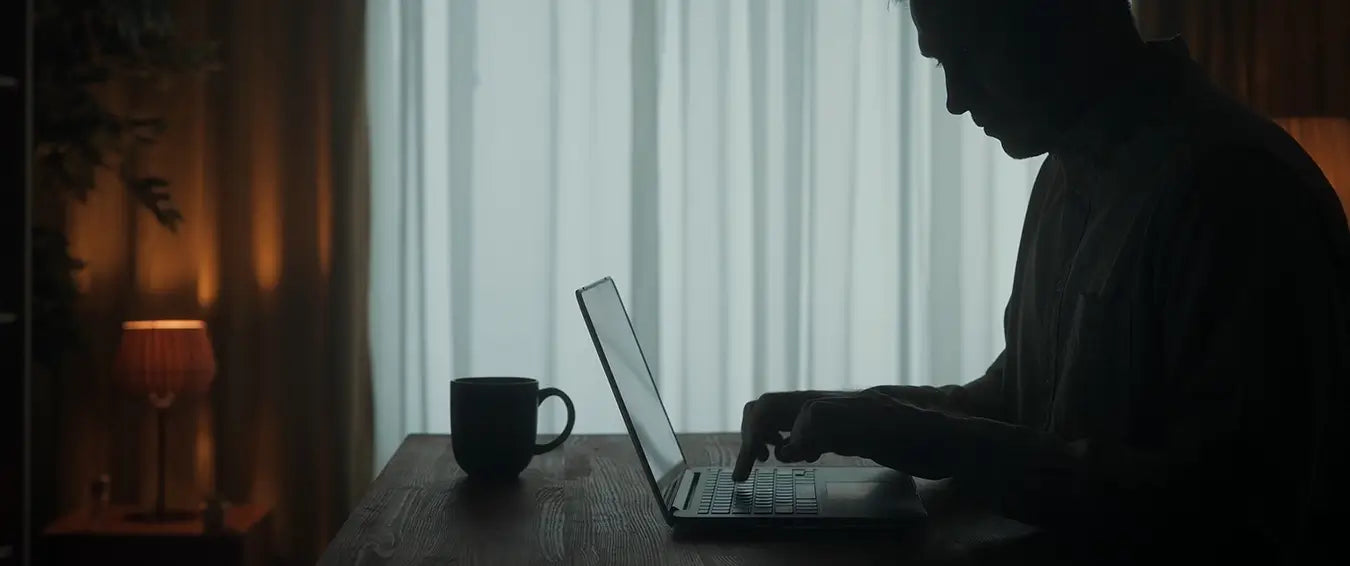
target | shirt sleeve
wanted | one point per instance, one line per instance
(1249, 312)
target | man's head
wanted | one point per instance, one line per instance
(1025, 69)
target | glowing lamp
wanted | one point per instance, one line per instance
(163, 360)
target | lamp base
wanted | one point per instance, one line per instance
(167, 516)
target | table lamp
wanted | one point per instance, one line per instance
(163, 360)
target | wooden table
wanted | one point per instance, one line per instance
(589, 503)
(108, 538)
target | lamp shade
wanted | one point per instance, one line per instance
(1327, 141)
(165, 358)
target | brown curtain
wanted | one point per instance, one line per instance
(268, 162)
(1285, 58)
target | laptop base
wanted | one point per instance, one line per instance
(841, 497)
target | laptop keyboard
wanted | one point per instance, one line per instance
(768, 491)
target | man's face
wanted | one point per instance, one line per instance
(1001, 77)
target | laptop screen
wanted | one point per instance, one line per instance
(618, 347)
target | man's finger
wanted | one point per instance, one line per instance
(806, 441)
(762, 422)
(750, 447)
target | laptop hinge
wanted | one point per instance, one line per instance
(682, 490)
(670, 491)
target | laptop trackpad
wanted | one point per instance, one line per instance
(869, 495)
(850, 490)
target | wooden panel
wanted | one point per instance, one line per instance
(1286, 58)
(588, 503)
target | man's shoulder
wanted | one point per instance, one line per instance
(1245, 182)
(1214, 148)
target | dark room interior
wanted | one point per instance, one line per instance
(296, 282)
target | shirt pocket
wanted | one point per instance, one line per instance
(1093, 391)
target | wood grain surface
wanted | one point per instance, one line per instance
(589, 503)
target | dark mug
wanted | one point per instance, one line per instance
(493, 422)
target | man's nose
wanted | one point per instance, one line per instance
(954, 107)
(957, 102)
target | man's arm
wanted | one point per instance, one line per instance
(982, 397)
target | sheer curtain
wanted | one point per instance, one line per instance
(774, 184)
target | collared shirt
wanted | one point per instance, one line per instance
(1177, 332)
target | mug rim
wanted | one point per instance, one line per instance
(500, 381)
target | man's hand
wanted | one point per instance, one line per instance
(848, 424)
(765, 419)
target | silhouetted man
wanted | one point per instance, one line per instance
(1175, 363)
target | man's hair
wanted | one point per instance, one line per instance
(1042, 15)
(1110, 8)
(1115, 5)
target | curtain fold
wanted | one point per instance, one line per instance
(775, 185)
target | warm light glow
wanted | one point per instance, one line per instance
(1327, 140)
(208, 285)
(201, 219)
(323, 178)
(266, 176)
(266, 209)
(163, 324)
(266, 237)
(204, 457)
(206, 233)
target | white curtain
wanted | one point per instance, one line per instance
(774, 184)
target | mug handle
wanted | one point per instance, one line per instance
(545, 393)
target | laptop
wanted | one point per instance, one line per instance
(706, 497)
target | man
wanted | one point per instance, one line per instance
(1177, 330)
